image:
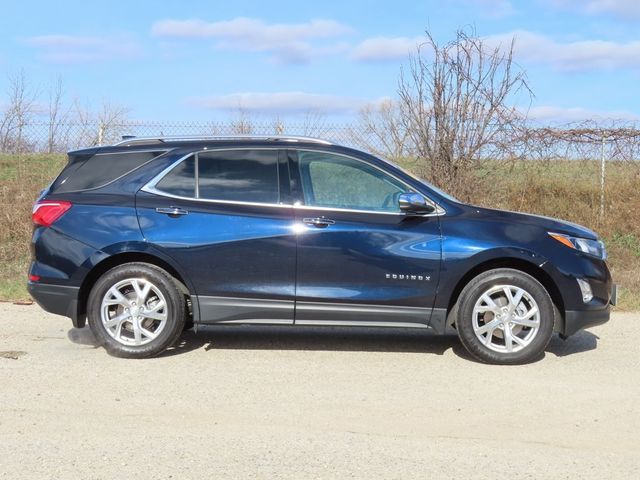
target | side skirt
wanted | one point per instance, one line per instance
(228, 310)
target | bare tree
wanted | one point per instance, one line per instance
(58, 115)
(314, 124)
(17, 113)
(106, 125)
(456, 104)
(112, 122)
(381, 131)
(242, 124)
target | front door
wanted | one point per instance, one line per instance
(359, 259)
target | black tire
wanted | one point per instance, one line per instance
(472, 293)
(165, 285)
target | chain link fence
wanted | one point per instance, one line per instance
(52, 138)
(585, 141)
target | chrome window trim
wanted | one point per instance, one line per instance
(150, 187)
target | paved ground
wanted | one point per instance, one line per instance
(241, 402)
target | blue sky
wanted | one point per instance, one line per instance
(198, 60)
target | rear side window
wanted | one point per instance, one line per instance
(181, 180)
(229, 175)
(99, 170)
(239, 175)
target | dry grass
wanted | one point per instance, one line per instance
(565, 189)
(22, 177)
(570, 190)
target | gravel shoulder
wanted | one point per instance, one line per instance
(248, 402)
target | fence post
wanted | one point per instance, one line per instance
(602, 171)
(100, 133)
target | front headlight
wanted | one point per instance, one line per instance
(591, 247)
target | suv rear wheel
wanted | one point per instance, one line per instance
(505, 317)
(135, 310)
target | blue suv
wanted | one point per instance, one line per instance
(154, 235)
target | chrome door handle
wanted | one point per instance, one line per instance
(172, 211)
(319, 222)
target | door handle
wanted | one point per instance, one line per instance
(173, 212)
(318, 222)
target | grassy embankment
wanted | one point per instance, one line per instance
(563, 189)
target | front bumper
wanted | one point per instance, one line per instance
(57, 299)
(576, 320)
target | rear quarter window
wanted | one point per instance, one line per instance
(99, 170)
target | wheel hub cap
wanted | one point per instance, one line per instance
(134, 311)
(506, 318)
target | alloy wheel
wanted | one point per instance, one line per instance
(506, 318)
(134, 311)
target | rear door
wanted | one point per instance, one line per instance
(224, 216)
(360, 260)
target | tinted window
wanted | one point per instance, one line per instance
(99, 170)
(239, 175)
(335, 181)
(181, 180)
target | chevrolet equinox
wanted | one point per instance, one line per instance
(150, 236)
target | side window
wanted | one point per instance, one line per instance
(239, 175)
(335, 181)
(181, 180)
(231, 175)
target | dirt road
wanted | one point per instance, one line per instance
(243, 402)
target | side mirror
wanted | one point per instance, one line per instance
(414, 204)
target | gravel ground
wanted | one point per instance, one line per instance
(245, 402)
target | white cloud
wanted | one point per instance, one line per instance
(281, 103)
(385, 48)
(579, 55)
(547, 113)
(620, 8)
(84, 49)
(287, 42)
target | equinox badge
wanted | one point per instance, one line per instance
(394, 276)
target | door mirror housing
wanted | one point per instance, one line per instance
(414, 204)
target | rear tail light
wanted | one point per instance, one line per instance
(34, 278)
(46, 213)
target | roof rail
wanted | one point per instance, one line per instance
(130, 140)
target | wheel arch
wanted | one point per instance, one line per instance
(516, 264)
(121, 258)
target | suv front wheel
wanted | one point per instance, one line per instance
(505, 316)
(135, 310)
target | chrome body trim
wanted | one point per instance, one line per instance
(352, 323)
(255, 321)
